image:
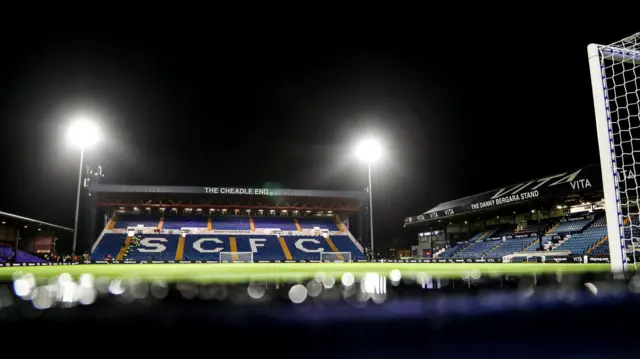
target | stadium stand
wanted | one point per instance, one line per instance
(534, 226)
(567, 209)
(320, 222)
(6, 254)
(511, 246)
(506, 232)
(451, 251)
(231, 223)
(477, 249)
(184, 222)
(570, 226)
(285, 224)
(478, 236)
(460, 250)
(126, 221)
(533, 247)
(208, 244)
(490, 233)
(579, 243)
(109, 245)
(601, 248)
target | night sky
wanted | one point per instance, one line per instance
(458, 114)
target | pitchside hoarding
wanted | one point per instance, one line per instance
(549, 259)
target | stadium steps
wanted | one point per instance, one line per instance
(112, 221)
(552, 228)
(297, 225)
(233, 245)
(333, 247)
(482, 236)
(493, 249)
(285, 249)
(124, 248)
(209, 224)
(160, 223)
(558, 244)
(452, 254)
(180, 249)
(536, 242)
(339, 223)
(252, 224)
(597, 244)
(489, 233)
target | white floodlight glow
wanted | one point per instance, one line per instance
(83, 133)
(368, 150)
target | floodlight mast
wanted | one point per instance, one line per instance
(82, 133)
(75, 223)
(369, 151)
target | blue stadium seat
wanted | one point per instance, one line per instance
(581, 242)
(452, 252)
(154, 247)
(477, 249)
(185, 222)
(231, 223)
(133, 220)
(321, 222)
(602, 249)
(345, 244)
(6, 254)
(207, 247)
(536, 245)
(282, 223)
(110, 244)
(449, 252)
(511, 246)
(570, 226)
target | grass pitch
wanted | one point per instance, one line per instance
(267, 272)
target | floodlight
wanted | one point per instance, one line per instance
(368, 150)
(83, 133)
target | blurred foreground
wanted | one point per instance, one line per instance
(553, 314)
(271, 272)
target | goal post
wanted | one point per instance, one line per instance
(615, 82)
(236, 257)
(338, 257)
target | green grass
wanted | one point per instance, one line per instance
(242, 272)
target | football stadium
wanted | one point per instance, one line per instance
(553, 219)
(549, 258)
(223, 234)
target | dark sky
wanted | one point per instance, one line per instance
(459, 111)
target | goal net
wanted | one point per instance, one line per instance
(338, 257)
(615, 71)
(236, 257)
